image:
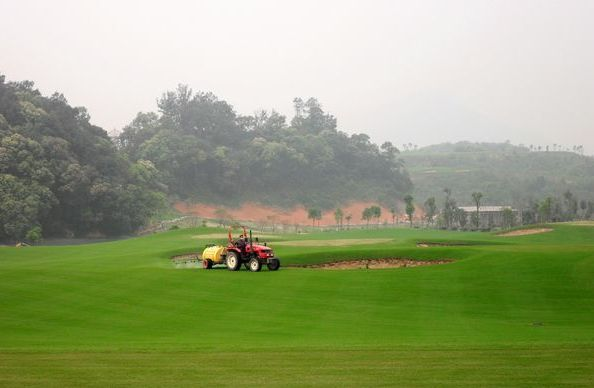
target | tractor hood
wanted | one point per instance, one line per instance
(258, 247)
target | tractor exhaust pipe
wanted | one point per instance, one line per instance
(251, 242)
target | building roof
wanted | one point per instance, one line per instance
(485, 208)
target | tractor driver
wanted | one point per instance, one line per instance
(241, 243)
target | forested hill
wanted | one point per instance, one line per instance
(504, 173)
(209, 153)
(62, 176)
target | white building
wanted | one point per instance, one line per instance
(491, 216)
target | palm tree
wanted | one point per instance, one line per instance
(367, 215)
(376, 212)
(430, 209)
(393, 212)
(448, 207)
(338, 215)
(410, 208)
(348, 219)
(314, 214)
(476, 196)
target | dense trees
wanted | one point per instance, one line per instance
(208, 152)
(60, 175)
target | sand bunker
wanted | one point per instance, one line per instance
(378, 263)
(427, 244)
(332, 243)
(525, 232)
(194, 261)
(580, 223)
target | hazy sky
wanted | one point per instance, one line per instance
(404, 71)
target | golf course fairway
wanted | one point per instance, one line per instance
(507, 311)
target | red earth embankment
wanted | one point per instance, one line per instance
(267, 214)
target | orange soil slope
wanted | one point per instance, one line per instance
(261, 213)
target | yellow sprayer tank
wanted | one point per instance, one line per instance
(214, 253)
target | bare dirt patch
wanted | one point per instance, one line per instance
(378, 263)
(525, 232)
(266, 215)
(332, 243)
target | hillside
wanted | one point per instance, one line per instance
(209, 153)
(504, 173)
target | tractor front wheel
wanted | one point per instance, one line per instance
(232, 261)
(273, 264)
(255, 265)
(207, 264)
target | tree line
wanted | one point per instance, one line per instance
(549, 209)
(450, 216)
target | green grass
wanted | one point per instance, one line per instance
(508, 311)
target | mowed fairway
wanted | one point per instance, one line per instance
(509, 311)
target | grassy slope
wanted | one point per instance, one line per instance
(503, 173)
(518, 309)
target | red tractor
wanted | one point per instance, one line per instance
(241, 251)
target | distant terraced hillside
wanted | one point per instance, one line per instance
(504, 173)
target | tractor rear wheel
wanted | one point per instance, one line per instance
(273, 264)
(207, 264)
(232, 261)
(255, 265)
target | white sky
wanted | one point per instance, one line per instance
(405, 71)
